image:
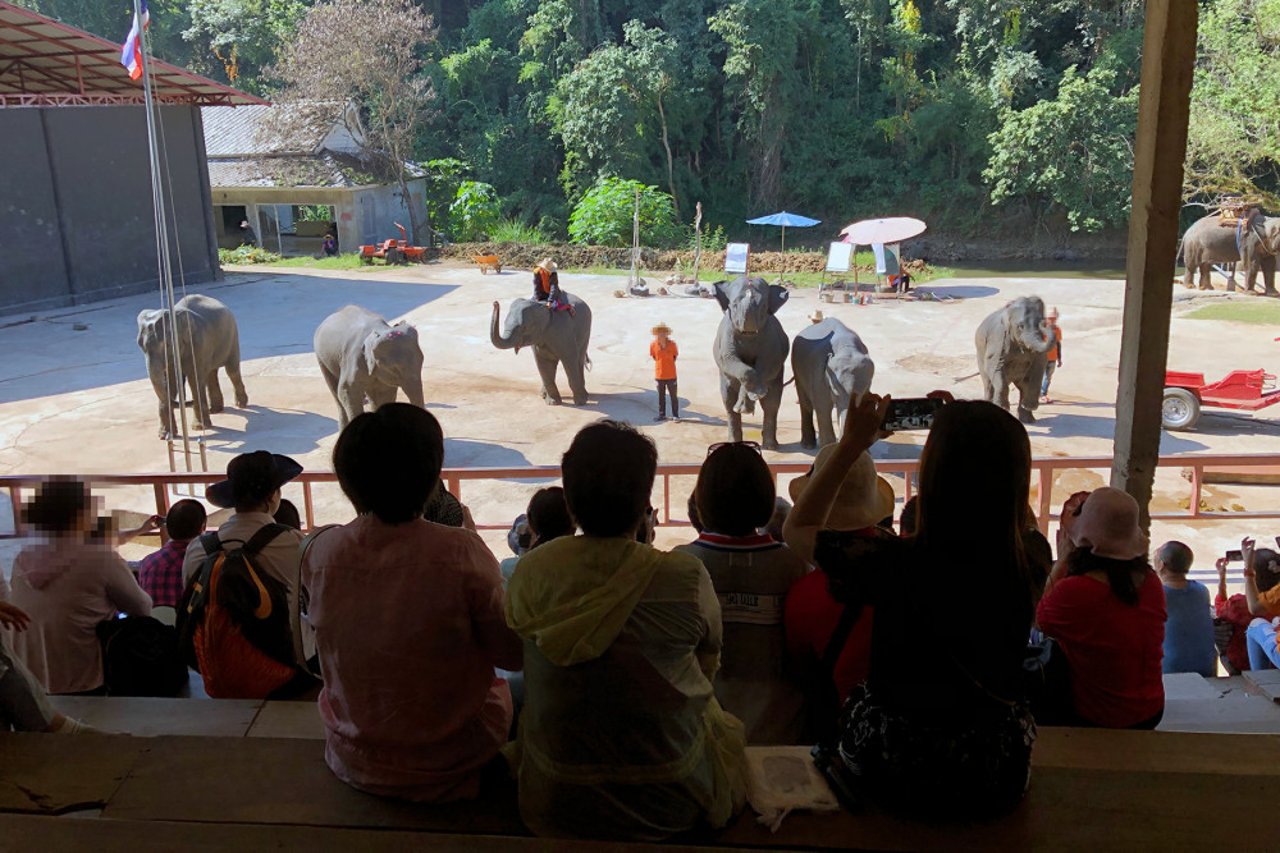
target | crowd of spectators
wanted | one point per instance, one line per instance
(619, 683)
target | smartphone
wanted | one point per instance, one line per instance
(911, 413)
(1235, 556)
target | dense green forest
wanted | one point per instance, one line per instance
(968, 113)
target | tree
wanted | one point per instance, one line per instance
(475, 210)
(367, 52)
(1233, 143)
(604, 215)
(1074, 151)
(242, 35)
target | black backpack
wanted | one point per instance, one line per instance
(140, 657)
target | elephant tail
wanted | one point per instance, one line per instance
(586, 360)
(789, 381)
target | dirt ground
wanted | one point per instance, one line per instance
(74, 396)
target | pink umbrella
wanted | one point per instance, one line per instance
(893, 229)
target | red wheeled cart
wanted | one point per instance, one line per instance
(394, 251)
(1186, 393)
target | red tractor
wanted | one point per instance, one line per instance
(1186, 393)
(394, 251)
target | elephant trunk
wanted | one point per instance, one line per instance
(495, 335)
(412, 386)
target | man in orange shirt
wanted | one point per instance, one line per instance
(664, 352)
(1054, 359)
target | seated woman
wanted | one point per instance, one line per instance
(68, 583)
(941, 727)
(24, 704)
(409, 622)
(751, 573)
(621, 735)
(1104, 606)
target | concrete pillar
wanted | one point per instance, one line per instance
(1168, 58)
(345, 213)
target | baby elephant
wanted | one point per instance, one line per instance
(207, 339)
(363, 357)
(832, 371)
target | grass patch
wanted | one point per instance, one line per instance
(1258, 312)
(348, 261)
(515, 231)
(800, 279)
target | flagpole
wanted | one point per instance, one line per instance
(164, 261)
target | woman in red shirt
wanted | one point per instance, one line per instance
(1104, 606)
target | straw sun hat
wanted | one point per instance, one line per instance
(864, 498)
(547, 264)
(816, 317)
(661, 328)
(1108, 523)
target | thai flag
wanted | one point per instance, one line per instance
(131, 53)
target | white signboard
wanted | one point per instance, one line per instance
(735, 257)
(839, 257)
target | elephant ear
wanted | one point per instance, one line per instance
(406, 329)
(722, 295)
(778, 297)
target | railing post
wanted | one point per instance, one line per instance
(666, 498)
(15, 500)
(1046, 499)
(307, 506)
(1197, 479)
(162, 507)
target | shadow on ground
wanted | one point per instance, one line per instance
(288, 431)
(469, 453)
(641, 407)
(958, 291)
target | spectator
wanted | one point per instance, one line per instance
(751, 573)
(1232, 613)
(288, 515)
(621, 735)
(68, 584)
(1261, 579)
(160, 573)
(695, 520)
(248, 237)
(330, 245)
(519, 537)
(1105, 608)
(24, 704)
(1053, 359)
(252, 489)
(830, 642)
(957, 742)
(907, 523)
(409, 623)
(1188, 634)
(781, 509)
(546, 518)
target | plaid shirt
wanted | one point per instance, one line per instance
(160, 574)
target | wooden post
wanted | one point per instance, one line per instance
(1168, 59)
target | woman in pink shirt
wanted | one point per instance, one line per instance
(409, 620)
(68, 583)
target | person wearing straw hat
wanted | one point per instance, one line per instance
(546, 283)
(1053, 360)
(816, 317)
(664, 353)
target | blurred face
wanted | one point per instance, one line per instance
(662, 338)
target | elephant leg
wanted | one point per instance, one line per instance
(574, 372)
(199, 399)
(331, 379)
(237, 382)
(1028, 398)
(214, 391)
(1000, 389)
(1269, 275)
(771, 403)
(547, 366)
(167, 426)
(729, 390)
(380, 394)
(822, 406)
(1206, 283)
(808, 438)
(351, 399)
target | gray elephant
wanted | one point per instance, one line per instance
(751, 350)
(1013, 345)
(362, 357)
(1208, 242)
(832, 369)
(207, 339)
(557, 337)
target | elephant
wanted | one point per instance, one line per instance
(558, 338)
(362, 357)
(1208, 242)
(1013, 345)
(207, 339)
(751, 349)
(832, 369)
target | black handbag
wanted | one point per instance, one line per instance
(140, 657)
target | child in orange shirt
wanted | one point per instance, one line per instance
(664, 352)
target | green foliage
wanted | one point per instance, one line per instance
(475, 210)
(604, 216)
(247, 255)
(236, 40)
(1073, 152)
(515, 231)
(314, 213)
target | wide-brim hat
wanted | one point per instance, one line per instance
(1109, 525)
(662, 328)
(816, 317)
(547, 264)
(864, 499)
(252, 476)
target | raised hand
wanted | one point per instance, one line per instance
(862, 423)
(13, 617)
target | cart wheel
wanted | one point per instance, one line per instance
(1180, 409)
(393, 256)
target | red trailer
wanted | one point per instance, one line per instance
(394, 251)
(1186, 393)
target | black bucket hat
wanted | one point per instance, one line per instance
(252, 477)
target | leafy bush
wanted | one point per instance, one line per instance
(475, 211)
(603, 216)
(247, 255)
(515, 231)
(713, 240)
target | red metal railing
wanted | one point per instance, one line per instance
(1043, 473)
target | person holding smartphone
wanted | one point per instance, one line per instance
(1262, 593)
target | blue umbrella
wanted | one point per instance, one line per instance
(785, 220)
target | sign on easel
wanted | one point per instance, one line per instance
(736, 257)
(839, 257)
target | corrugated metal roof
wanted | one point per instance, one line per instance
(45, 63)
(258, 130)
(323, 170)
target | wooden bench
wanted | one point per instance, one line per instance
(1090, 790)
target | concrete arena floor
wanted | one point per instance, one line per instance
(79, 400)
